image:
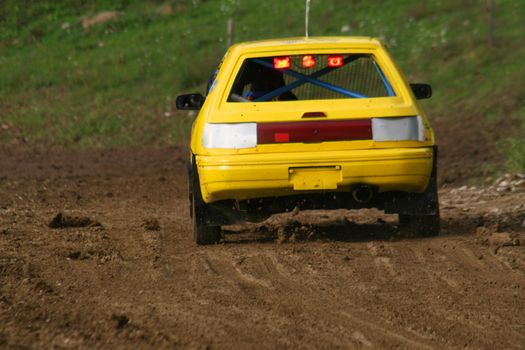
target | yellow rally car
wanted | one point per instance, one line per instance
(313, 123)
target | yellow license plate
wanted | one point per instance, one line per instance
(315, 178)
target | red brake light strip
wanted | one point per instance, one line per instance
(314, 131)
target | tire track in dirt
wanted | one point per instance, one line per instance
(296, 291)
(471, 267)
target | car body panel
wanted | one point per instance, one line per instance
(267, 175)
(268, 169)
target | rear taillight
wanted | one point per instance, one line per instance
(249, 135)
(314, 131)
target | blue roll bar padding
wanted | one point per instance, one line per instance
(325, 84)
(388, 87)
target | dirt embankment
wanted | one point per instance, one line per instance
(470, 147)
(127, 273)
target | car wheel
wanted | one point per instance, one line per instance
(202, 231)
(424, 225)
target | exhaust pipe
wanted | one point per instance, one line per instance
(362, 193)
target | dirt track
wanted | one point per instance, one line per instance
(308, 279)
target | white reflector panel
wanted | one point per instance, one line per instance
(398, 129)
(233, 136)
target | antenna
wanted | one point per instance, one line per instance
(307, 17)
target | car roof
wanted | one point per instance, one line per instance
(295, 43)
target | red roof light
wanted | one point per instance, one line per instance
(335, 61)
(308, 61)
(281, 62)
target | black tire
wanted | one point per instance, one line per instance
(420, 225)
(428, 225)
(202, 231)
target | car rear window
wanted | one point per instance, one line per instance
(309, 77)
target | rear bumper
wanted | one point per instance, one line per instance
(250, 176)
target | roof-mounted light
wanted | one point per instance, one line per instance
(308, 61)
(281, 62)
(335, 61)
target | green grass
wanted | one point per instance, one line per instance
(516, 154)
(116, 84)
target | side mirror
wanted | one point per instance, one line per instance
(421, 91)
(190, 101)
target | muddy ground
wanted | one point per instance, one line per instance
(130, 276)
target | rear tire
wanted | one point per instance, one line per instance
(425, 225)
(203, 233)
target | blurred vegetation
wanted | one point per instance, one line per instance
(115, 83)
(516, 153)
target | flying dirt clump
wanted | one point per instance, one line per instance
(121, 319)
(64, 221)
(151, 225)
(78, 255)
